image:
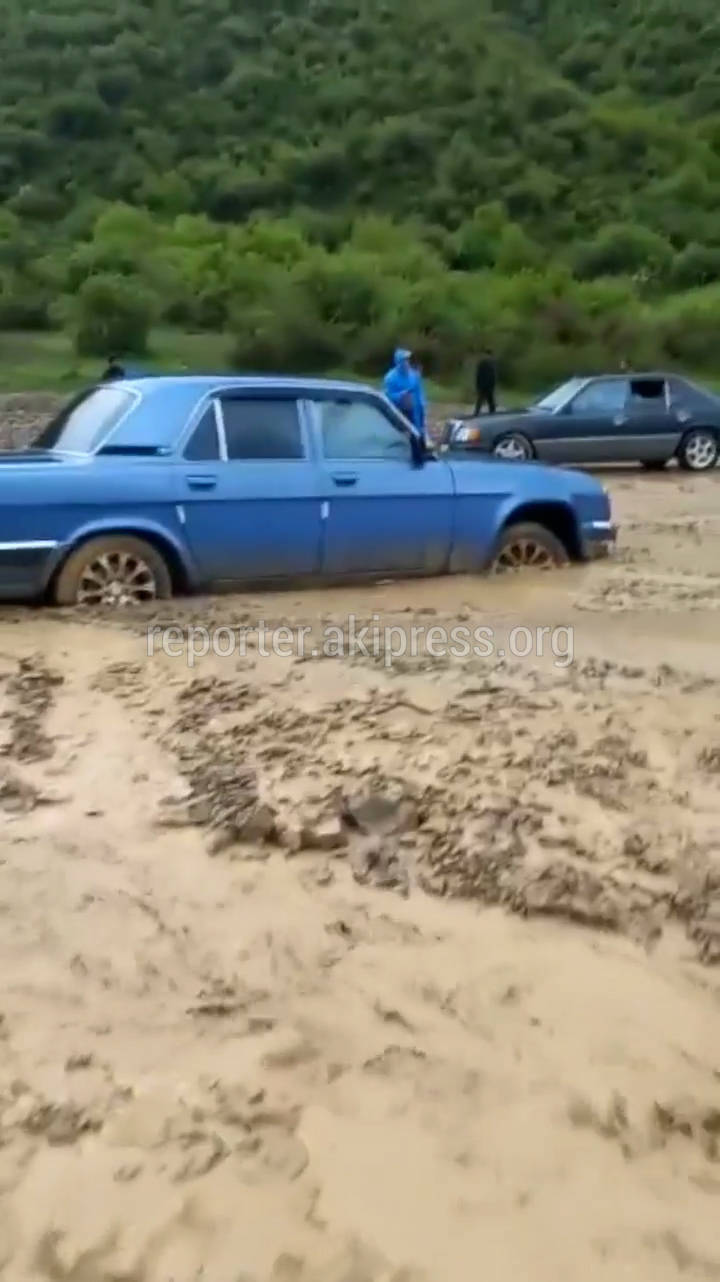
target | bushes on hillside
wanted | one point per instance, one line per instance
(112, 314)
(291, 299)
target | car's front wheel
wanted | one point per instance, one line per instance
(117, 571)
(514, 448)
(527, 546)
(699, 450)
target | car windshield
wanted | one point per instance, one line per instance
(555, 399)
(81, 426)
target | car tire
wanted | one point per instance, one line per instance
(699, 450)
(513, 448)
(118, 571)
(653, 465)
(527, 546)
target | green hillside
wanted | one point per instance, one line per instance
(320, 179)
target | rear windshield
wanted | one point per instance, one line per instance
(84, 424)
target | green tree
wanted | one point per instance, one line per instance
(113, 314)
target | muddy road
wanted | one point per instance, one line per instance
(344, 970)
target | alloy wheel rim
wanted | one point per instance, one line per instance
(700, 451)
(116, 579)
(511, 449)
(523, 554)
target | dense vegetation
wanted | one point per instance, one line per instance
(322, 179)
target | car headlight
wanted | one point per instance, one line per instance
(464, 434)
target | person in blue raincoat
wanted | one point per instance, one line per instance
(403, 387)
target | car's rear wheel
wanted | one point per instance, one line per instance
(514, 448)
(117, 572)
(699, 450)
(527, 546)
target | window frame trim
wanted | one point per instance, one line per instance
(220, 430)
(218, 458)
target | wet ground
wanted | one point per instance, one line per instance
(370, 966)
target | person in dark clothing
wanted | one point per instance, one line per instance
(485, 382)
(114, 370)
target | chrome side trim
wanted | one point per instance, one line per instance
(24, 544)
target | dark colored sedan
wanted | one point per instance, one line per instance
(638, 418)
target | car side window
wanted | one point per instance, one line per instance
(261, 429)
(359, 430)
(605, 396)
(647, 393)
(203, 445)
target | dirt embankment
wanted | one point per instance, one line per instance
(23, 414)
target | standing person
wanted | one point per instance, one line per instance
(114, 370)
(403, 387)
(420, 406)
(485, 381)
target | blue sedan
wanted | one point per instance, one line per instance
(147, 486)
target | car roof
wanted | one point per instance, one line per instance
(165, 402)
(206, 382)
(630, 373)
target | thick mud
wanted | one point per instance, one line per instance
(362, 967)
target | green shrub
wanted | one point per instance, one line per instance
(23, 304)
(696, 265)
(112, 314)
(688, 327)
(624, 249)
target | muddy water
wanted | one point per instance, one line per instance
(343, 969)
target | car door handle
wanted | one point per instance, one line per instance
(199, 482)
(620, 420)
(344, 478)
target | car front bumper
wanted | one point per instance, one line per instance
(597, 538)
(447, 445)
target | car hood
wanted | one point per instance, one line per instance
(519, 411)
(530, 480)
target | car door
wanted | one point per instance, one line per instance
(586, 429)
(386, 514)
(250, 490)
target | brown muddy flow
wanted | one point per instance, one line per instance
(391, 969)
